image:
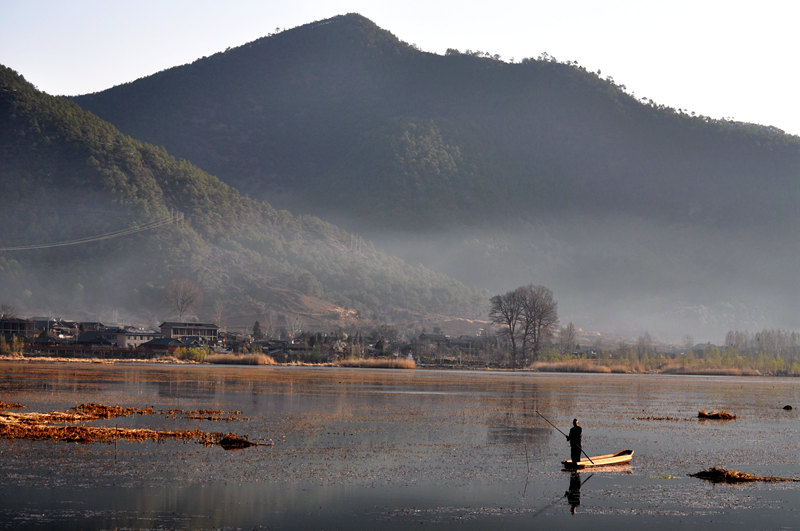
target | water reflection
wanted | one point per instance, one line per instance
(511, 434)
(573, 493)
(186, 389)
(381, 449)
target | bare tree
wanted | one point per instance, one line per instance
(219, 314)
(506, 312)
(540, 316)
(7, 311)
(296, 327)
(566, 339)
(182, 295)
(644, 345)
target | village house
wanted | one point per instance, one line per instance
(61, 330)
(203, 333)
(128, 337)
(138, 336)
(161, 345)
(12, 327)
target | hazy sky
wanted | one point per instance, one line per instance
(726, 58)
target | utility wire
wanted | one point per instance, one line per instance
(99, 237)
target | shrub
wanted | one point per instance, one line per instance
(190, 354)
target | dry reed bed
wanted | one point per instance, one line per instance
(653, 418)
(101, 361)
(379, 363)
(577, 366)
(721, 475)
(715, 415)
(708, 371)
(205, 414)
(65, 426)
(601, 367)
(240, 359)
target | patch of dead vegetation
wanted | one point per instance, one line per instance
(206, 414)
(721, 475)
(240, 359)
(10, 405)
(715, 415)
(378, 363)
(65, 426)
(101, 411)
(232, 441)
(581, 365)
(166, 359)
(708, 371)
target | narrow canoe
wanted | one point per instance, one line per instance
(618, 458)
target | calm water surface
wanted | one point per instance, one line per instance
(361, 449)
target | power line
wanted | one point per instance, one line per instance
(172, 218)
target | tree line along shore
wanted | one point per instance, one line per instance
(523, 334)
(452, 354)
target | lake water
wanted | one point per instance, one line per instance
(367, 449)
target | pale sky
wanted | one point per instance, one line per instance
(719, 58)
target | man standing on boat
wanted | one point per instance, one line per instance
(574, 439)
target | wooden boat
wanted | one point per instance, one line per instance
(619, 458)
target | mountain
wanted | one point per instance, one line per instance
(97, 224)
(639, 217)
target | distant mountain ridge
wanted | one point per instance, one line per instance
(638, 216)
(345, 109)
(145, 218)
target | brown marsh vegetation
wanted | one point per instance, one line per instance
(68, 426)
(715, 415)
(240, 359)
(721, 475)
(625, 366)
(378, 363)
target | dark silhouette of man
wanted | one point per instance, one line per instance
(574, 493)
(574, 439)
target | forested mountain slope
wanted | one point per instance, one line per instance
(638, 216)
(336, 114)
(66, 175)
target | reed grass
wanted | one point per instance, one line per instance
(709, 371)
(638, 367)
(240, 359)
(575, 365)
(379, 363)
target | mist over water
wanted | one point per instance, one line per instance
(624, 275)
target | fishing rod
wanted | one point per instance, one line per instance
(562, 433)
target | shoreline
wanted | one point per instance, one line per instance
(537, 367)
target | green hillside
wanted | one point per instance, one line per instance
(147, 218)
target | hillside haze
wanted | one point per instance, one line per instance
(97, 224)
(638, 217)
